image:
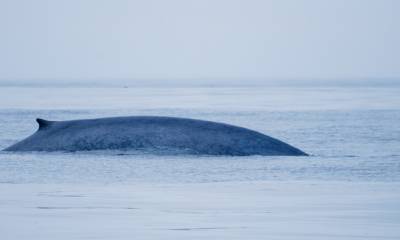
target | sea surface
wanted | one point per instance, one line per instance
(347, 189)
(352, 134)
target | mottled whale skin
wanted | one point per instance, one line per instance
(152, 133)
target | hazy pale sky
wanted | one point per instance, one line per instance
(194, 40)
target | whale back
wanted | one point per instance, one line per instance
(151, 133)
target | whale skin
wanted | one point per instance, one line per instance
(152, 134)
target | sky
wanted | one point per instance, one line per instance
(199, 41)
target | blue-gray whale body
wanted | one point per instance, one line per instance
(152, 133)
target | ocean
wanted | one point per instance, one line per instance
(351, 133)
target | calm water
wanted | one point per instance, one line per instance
(352, 134)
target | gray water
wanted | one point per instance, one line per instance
(351, 134)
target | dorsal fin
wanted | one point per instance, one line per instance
(43, 123)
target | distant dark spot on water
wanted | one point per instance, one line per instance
(61, 195)
(71, 195)
(8, 182)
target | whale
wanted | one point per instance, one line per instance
(154, 134)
